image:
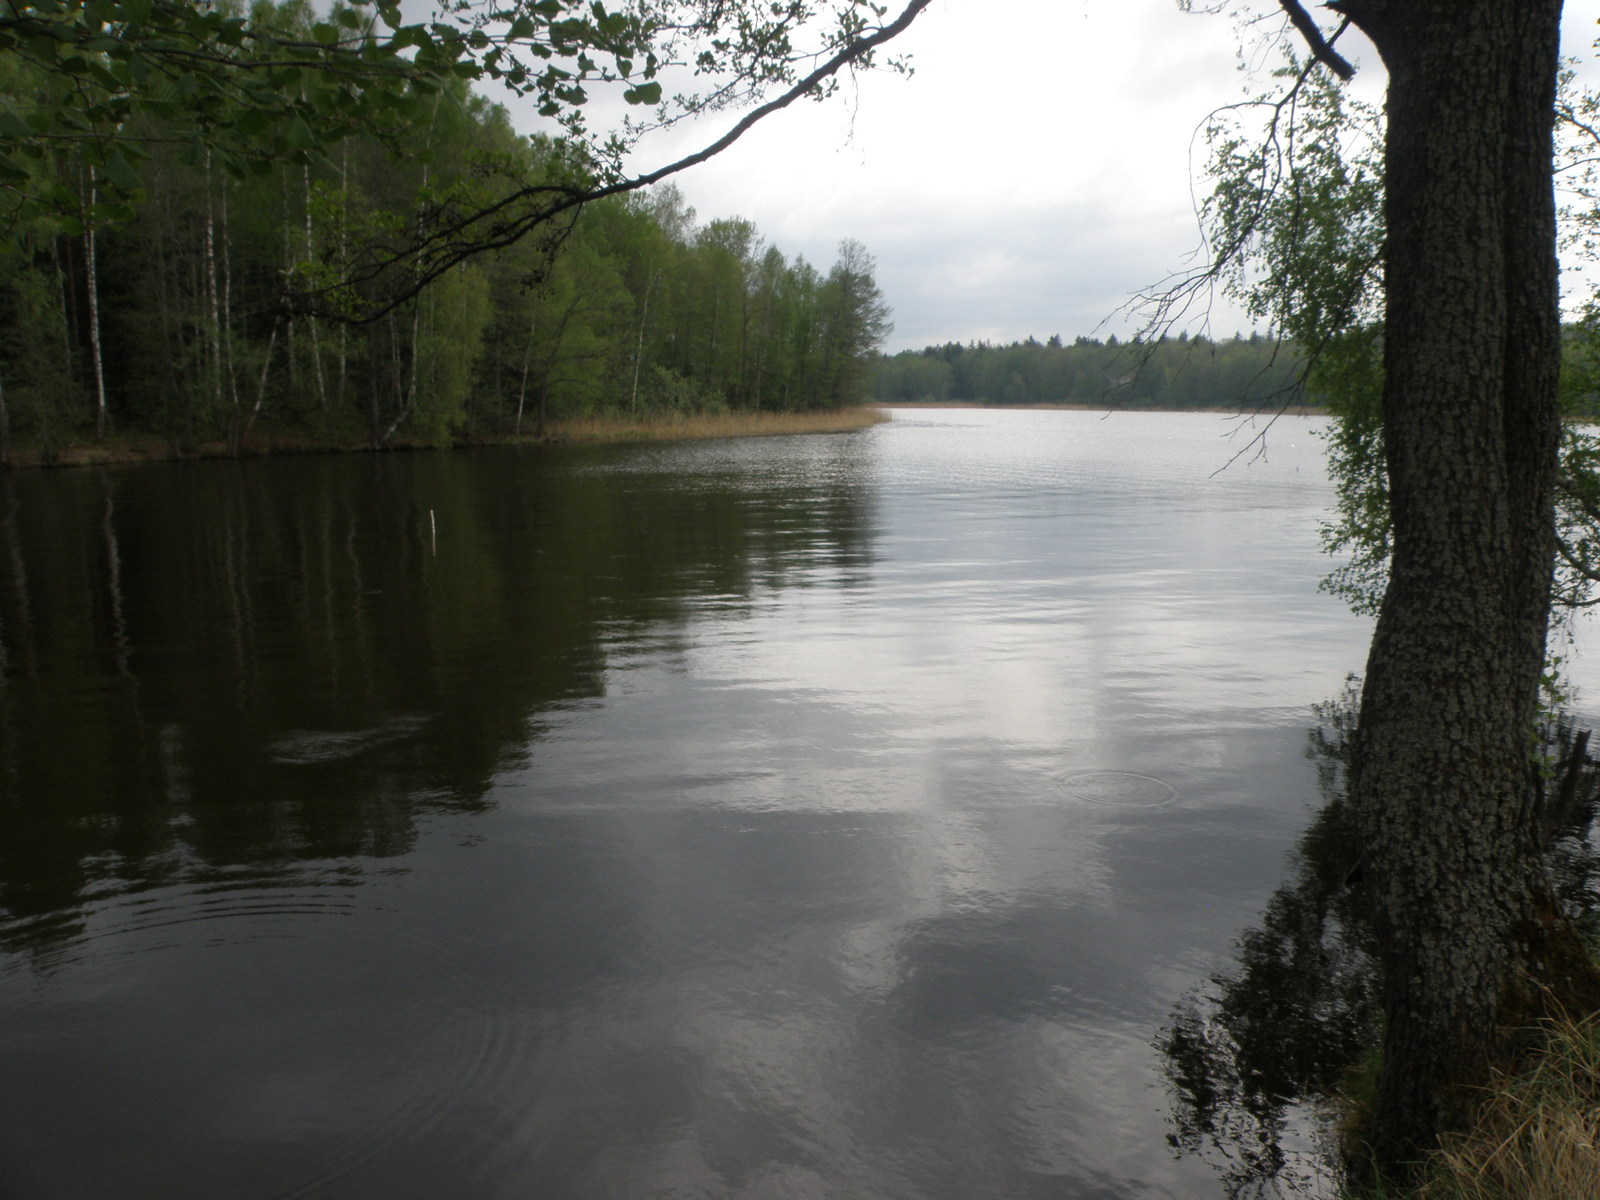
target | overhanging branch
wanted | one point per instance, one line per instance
(850, 53)
(1321, 47)
(459, 236)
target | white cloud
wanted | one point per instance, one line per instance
(1030, 176)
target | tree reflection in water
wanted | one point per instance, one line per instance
(1254, 1056)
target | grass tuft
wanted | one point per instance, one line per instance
(1537, 1136)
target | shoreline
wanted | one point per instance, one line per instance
(136, 448)
(133, 448)
(1292, 410)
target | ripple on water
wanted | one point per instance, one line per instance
(370, 1068)
(304, 747)
(1125, 789)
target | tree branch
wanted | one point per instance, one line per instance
(1321, 48)
(850, 53)
(460, 236)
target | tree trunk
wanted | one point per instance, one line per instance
(638, 349)
(261, 387)
(174, 381)
(92, 276)
(316, 341)
(5, 428)
(405, 393)
(213, 294)
(1443, 779)
(527, 358)
(225, 333)
(344, 326)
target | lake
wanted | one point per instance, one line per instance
(827, 816)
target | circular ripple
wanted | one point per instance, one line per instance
(389, 1063)
(1125, 789)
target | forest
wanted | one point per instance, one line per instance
(1179, 372)
(1175, 372)
(211, 310)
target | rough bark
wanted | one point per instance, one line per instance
(1443, 781)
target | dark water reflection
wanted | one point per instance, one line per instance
(749, 819)
(1258, 1056)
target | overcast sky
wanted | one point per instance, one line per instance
(1035, 172)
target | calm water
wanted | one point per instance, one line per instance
(802, 817)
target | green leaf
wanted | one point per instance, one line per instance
(252, 122)
(13, 127)
(645, 93)
(119, 173)
(324, 34)
(298, 135)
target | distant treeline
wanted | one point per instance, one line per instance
(1178, 372)
(171, 318)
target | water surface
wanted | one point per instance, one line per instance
(832, 816)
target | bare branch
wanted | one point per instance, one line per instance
(850, 53)
(1321, 47)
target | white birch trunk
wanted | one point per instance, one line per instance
(92, 273)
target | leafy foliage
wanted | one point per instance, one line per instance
(1295, 215)
(627, 307)
(215, 217)
(1295, 225)
(93, 87)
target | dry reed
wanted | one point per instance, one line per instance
(662, 426)
(1537, 1136)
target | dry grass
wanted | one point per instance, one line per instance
(140, 447)
(663, 426)
(1538, 1135)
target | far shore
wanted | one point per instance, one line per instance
(1290, 410)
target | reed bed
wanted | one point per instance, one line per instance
(675, 426)
(142, 447)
